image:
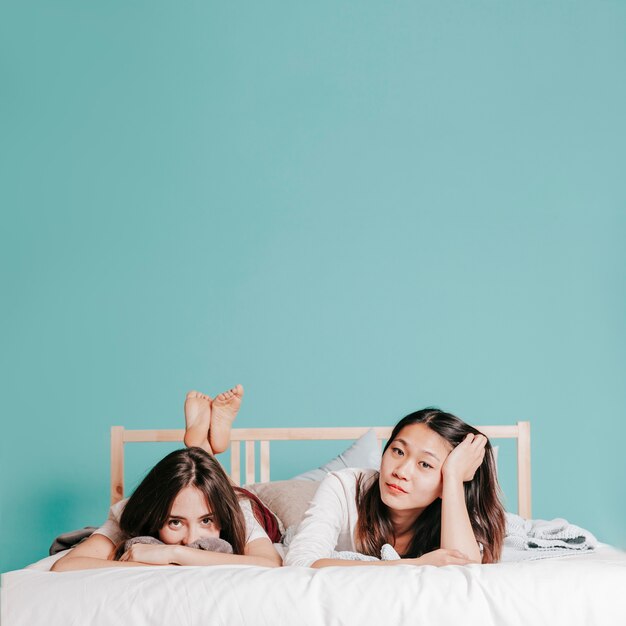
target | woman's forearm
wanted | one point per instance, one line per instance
(72, 563)
(179, 555)
(183, 555)
(96, 551)
(346, 563)
(456, 528)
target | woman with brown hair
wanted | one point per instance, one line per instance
(184, 506)
(435, 500)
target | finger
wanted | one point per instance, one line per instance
(479, 439)
(466, 441)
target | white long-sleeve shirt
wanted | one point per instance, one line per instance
(329, 523)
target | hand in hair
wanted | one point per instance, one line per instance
(465, 459)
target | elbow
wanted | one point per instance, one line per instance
(62, 565)
(265, 560)
(299, 562)
(273, 562)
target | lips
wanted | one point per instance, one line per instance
(393, 488)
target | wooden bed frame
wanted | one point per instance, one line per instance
(120, 436)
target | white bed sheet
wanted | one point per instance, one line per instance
(583, 589)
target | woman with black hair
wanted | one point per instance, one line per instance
(435, 500)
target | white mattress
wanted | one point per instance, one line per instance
(583, 589)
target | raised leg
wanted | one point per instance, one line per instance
(223, 412)
(197, 420)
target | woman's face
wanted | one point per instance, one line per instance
(190, 519)
(410, 471)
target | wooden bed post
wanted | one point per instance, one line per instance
(265, 461)
(235, 462)
(523, 470)
(250, 462)
(117, 463)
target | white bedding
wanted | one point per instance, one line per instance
(583, 589)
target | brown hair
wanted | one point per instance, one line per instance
(147, 510)
(374, 527)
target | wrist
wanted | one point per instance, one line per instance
(175, 555)
(452, 478)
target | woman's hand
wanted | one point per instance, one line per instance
(438, 558)
(465, 459)
(151, 554)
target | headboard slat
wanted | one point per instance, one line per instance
(523, 470)
(265, 461)
(250, 469)
(235, 462)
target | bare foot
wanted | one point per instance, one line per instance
(197, 420)
(224, 410)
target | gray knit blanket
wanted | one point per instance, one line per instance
(541, 539)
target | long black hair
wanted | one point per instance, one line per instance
(374, 527)
(147, 510)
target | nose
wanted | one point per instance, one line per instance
(402, 470)
(191, 535)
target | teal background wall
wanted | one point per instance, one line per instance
(354, 208)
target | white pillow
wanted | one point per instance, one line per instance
(363, 453)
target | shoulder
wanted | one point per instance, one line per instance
(350, 476)
(116, 510)
(343, 483)
(111, 527)
(254, 530)
(245, 506)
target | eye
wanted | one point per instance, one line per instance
(175, 523)
(207, 521)
(397, 451)
(425, 465)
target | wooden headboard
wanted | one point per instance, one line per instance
(249, 436)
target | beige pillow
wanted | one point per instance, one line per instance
(287, 499)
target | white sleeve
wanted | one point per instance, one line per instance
(317, 534)
(111, 528)
(254, 530)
